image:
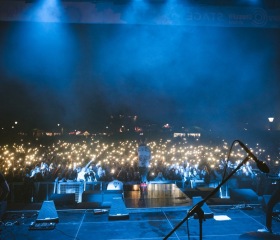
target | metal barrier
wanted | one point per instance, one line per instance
(78, 188)
(41, 191)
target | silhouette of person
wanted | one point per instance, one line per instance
(144, 158)
(275, 198)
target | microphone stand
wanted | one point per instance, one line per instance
(197, 208)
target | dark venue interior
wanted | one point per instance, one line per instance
(139, 119)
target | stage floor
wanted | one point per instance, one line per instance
(156, 195)
(147, 221)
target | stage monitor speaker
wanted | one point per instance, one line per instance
(109, 195)
(204, 192)
(245, 195)
(63, 199)
(92, 196)
(47, 213)
(118, 210)
(191, 192)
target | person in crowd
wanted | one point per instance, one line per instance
(205, 174)
(44, 169)
(83, 171)
(90, 175)
(175, 174)
(144, 158)
(195, 173)
(187, 175)
(122, 175)
(101, 174)
(219, 172)
(36, 174)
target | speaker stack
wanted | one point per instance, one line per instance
(4, 192)
(47, 217)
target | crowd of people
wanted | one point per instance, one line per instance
(96, 160)
(122, 162)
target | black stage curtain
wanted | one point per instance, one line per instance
(4, 188)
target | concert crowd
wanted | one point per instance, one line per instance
(97, 160)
